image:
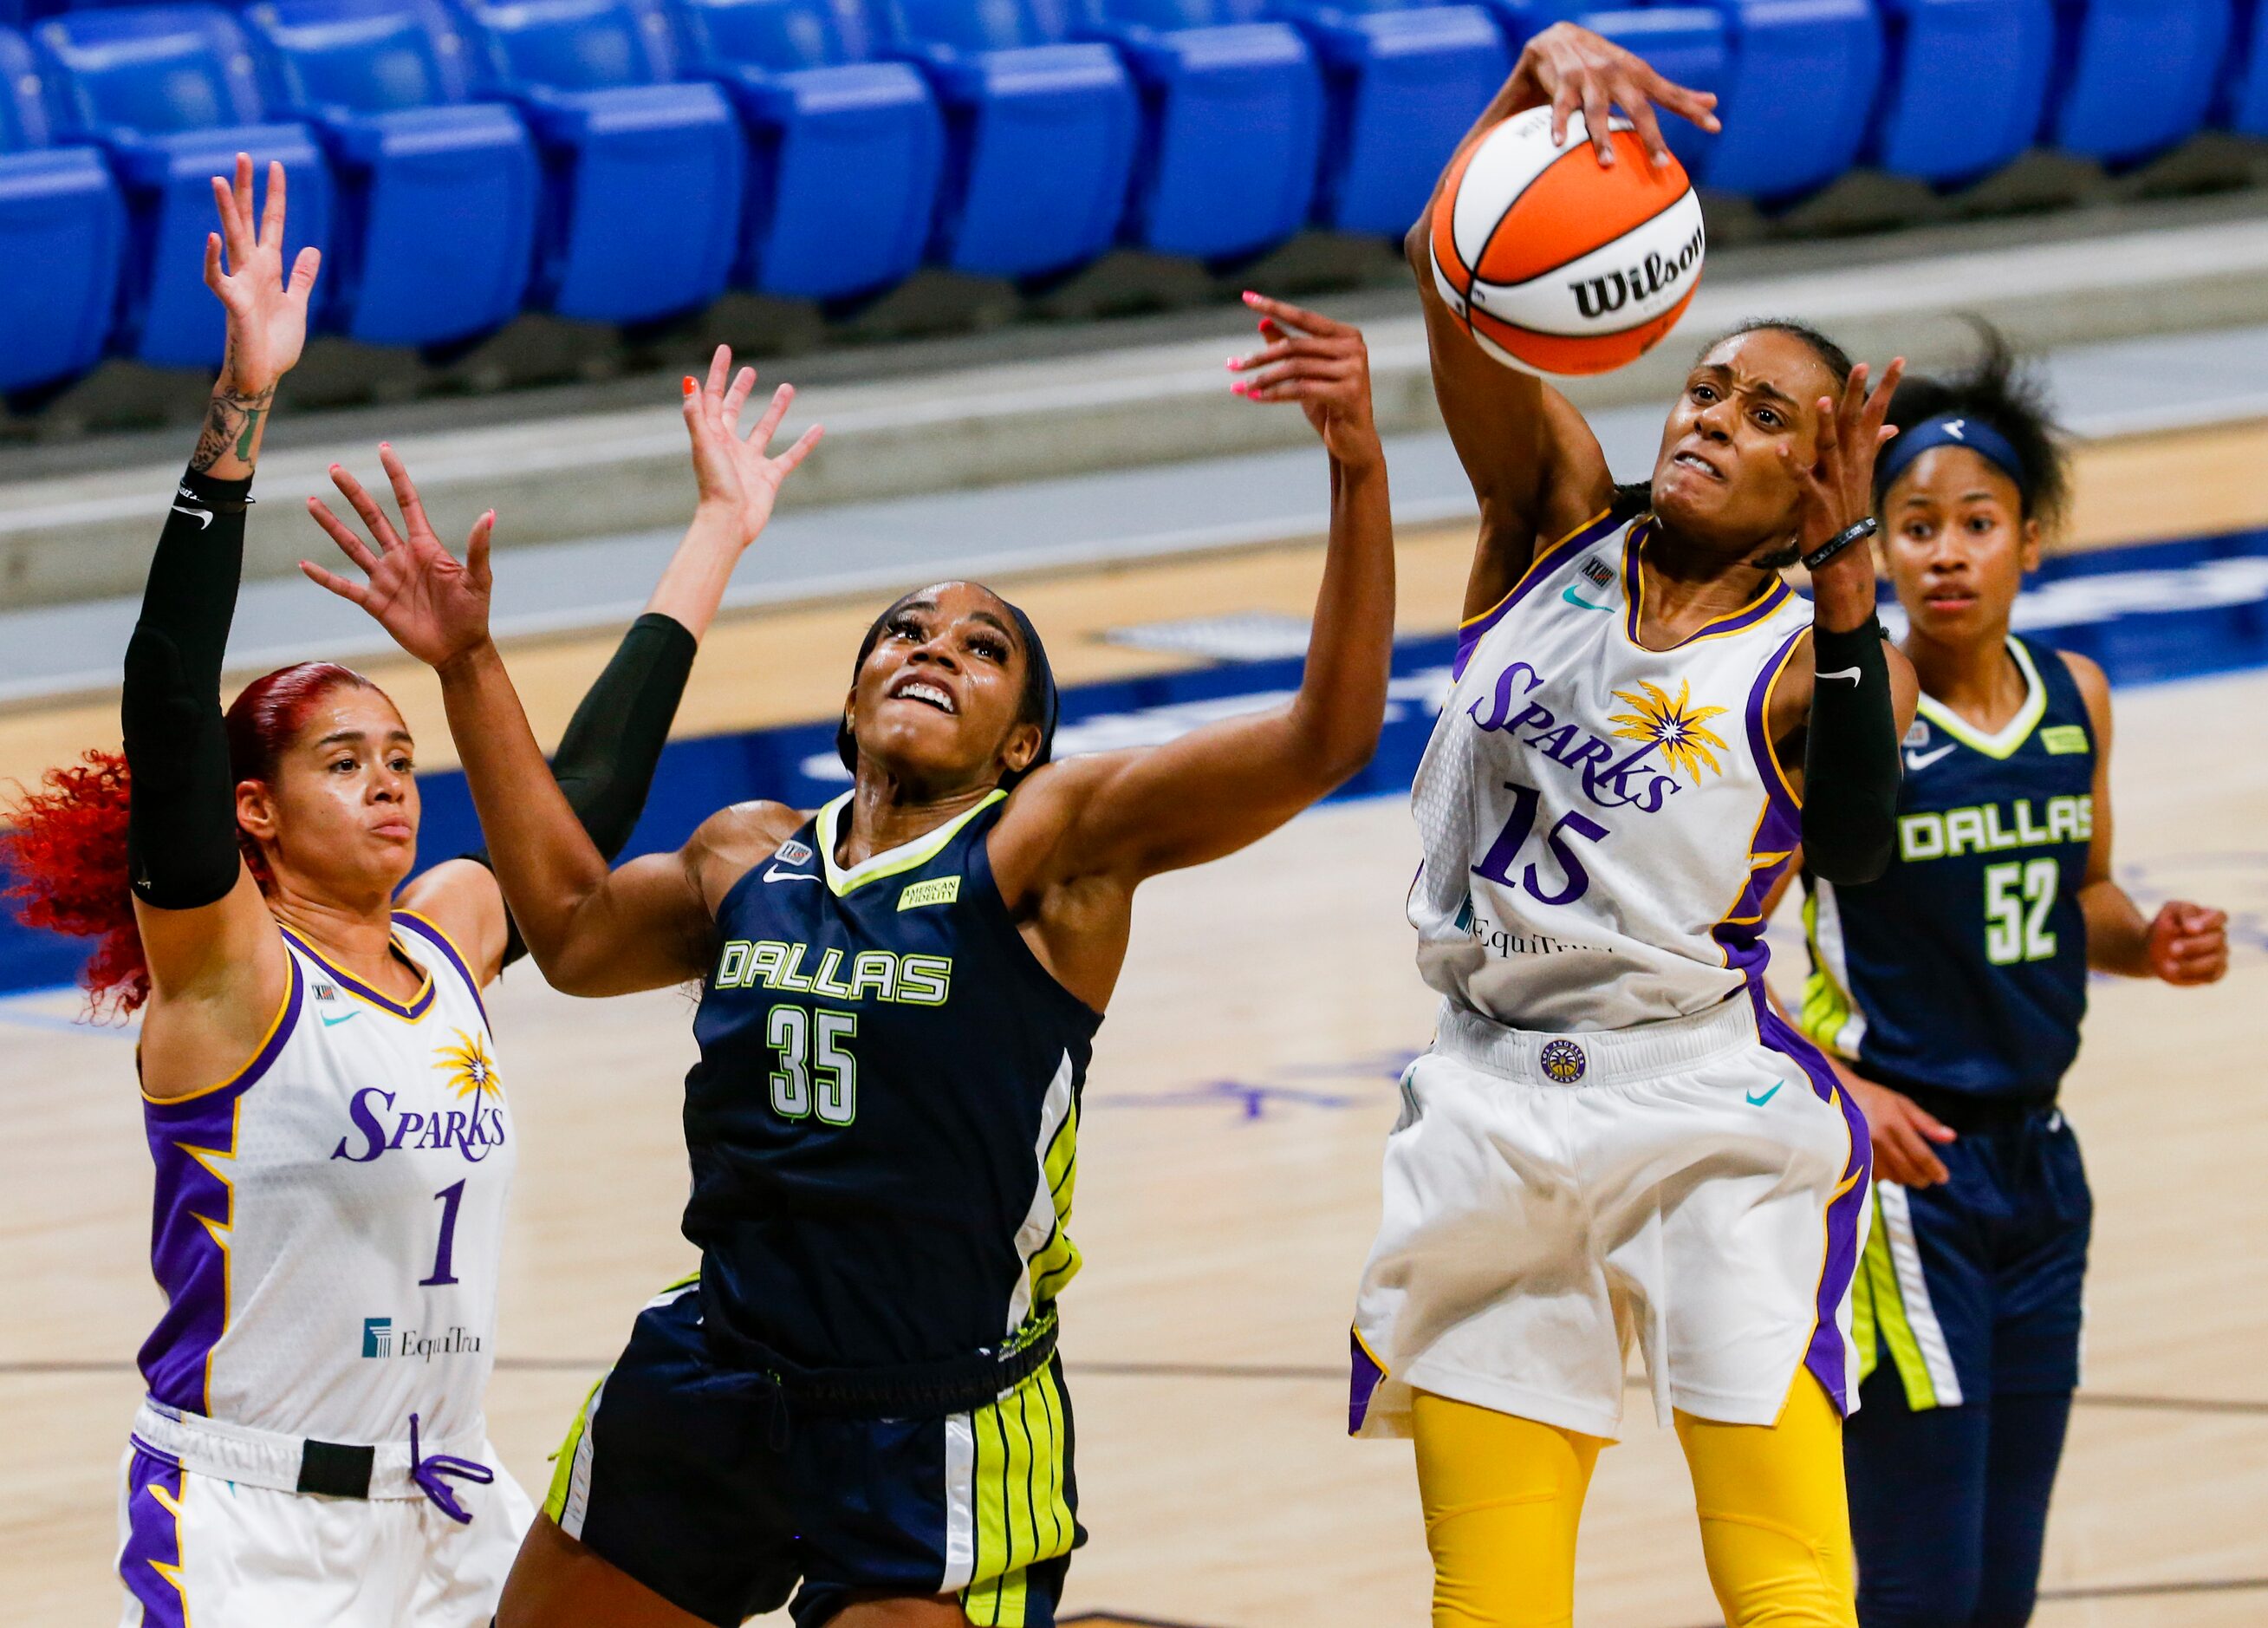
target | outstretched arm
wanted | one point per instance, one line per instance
(593, 931)
(216, 965)
(1126, 815)
(2185, 943)
(1535, 466)
(613, 744)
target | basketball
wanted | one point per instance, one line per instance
(1557, 264)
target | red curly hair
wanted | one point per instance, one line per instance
(65, 857)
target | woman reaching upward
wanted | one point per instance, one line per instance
(321, 1094)
(859, 1391)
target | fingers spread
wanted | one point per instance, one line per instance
(1649, 128)
(476, 551)
(337, 583)
(768, 426)
(736, 397)
(271, 220)
(304, 268)
(405, 492)
(794, 456)
(1293, 316)
(1600, 118)
(382, 529)
(212, 259)
(339, 533)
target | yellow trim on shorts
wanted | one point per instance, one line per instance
(1021, 1478)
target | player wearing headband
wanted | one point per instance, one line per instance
(1951, 993)
(860, 1389)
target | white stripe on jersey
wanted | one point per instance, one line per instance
(328, 1223)
(1601, 822)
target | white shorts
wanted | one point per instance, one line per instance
(197, 1547)
(1690, 1185)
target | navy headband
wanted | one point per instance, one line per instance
(1949, 430)
(1040, 672)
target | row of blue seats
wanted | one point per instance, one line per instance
(626, 160)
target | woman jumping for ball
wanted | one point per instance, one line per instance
(859, 1390)
(1951, 993)
(1612, 1138)
(319, 1086)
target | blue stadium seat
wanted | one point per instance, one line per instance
(63, 235)
(1963, 88)
(1804, 74)
(643, 174)
(2134, 78)
(1402, 83)
(435, 234)
(847, 153)
(2244, 89)
(170, 91)
(1040, 134)
(1233, 122)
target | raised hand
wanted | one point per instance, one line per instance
(739, 478)
(1566, 68)
(267, 316)
(435, 605)
(2189, 944)
(1838, 490)
(1322, 365)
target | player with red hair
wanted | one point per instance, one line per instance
(323, 1102)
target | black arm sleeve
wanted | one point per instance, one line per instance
(1851, 758)
(180, 839)
(606, 760)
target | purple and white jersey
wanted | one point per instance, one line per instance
(1601, 822)
(328, 1222)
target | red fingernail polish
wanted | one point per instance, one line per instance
(1239, 389)
(689, 386)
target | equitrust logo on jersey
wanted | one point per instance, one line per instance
(381, 1339)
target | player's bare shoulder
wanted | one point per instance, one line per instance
(733, 840)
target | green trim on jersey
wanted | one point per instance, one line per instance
(2016, 732)
(896, 861)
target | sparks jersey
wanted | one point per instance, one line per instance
(884, 1119)
(1965, 967)
(1602, 821)
(329, 1222)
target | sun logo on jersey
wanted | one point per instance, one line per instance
(1674, 728)
(472, 1071)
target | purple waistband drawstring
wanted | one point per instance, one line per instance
(429, 1474)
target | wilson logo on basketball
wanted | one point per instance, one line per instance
(1603, 296)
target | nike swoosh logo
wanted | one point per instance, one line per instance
(202, 517)
(1573, 598)
(331, 1022)
(789, 876)
(1758, 1101)
(1923, 760)
(1849, 673)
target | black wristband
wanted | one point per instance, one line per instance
(221, 496)
(1858, 531)
(1849, 757)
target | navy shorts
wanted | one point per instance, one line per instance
(1973, 1288)
(694, 1478)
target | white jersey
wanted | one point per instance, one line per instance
(1601, 822)
(329, 1222)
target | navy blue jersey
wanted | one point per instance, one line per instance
(1965, 967)
(884, 1118)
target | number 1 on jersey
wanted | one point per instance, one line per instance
(451, 1197)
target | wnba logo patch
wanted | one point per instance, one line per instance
(1562, 1062)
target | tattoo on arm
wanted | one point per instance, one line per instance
(232, 422)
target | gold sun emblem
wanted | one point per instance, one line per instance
(1674, 727)
(472, 1071)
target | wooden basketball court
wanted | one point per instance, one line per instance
(1240, 1094)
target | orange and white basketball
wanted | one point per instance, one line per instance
(1556, 263)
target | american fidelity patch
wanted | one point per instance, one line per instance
(937, 890)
